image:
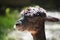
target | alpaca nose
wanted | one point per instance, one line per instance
(20, 21)
(18, 24)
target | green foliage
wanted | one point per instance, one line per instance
(6, 23)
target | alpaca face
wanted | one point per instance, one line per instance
(31, 19)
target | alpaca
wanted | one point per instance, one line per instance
(33, 20)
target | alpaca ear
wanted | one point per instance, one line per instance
(52, 19)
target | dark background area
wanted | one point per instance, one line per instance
(46, 4)
(51, 4)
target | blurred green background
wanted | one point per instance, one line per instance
(10, 9)
(7, 21)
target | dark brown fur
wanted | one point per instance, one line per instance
(36, 25)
